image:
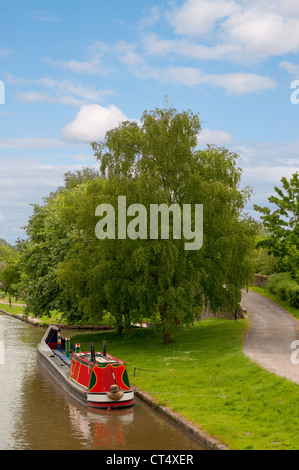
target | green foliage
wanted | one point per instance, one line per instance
(282, 226)
(10, 277)
(285, 287)
(9, 273)
(65, 267)
(293, 295)
(264, 263)
(6, 251)
(46, 246)
(161, 159)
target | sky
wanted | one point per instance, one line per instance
(71, 70)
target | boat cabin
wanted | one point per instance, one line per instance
(95, 372)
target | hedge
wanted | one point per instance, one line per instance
(285, 287)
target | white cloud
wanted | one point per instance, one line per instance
(233, 83)
(30, 143)
(94, 64)
(92, 122)
(152, 17)
(4, 52)
(269, 174)
(36, 181)
(279, 154)
(214, 137)
(199, 17)
(43, 16)
(263, 33)
(34, 97)
(64, 91)
(239, 83)
(291, 68)
(265, 163)
(188, 49)
(254, 30)
(91, 66)
(127, 53)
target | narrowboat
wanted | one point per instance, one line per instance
(97, 379)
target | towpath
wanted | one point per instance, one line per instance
(14, 304)
(268, 341)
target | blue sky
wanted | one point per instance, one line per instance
(72, 70)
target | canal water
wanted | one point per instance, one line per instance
(35, 414)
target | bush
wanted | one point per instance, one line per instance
(285, 287)
(263, 263)
(293, 296)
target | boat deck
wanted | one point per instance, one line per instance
(62, 356)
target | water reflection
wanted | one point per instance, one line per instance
(35, 413)
(102, 429)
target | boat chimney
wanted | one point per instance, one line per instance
(104, 347)
(92, 353)
(59, 338)
(67, 346)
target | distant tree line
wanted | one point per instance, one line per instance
(9, 272)
(278, 243)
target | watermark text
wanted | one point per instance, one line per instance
(185, 223)
(295, 94)
(295, 354)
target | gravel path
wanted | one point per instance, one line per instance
(268, 341)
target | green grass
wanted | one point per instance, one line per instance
(13, 309)
(204, 375)
(55, 316)
(46, 320)
(13, 298)
(275, 298)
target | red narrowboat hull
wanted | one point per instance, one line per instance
(100, 383)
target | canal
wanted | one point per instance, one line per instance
(35, 414)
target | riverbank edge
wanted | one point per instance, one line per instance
(36, 322)
(201, 436)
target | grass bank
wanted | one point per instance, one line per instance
(44, 320)
(270, 295)
(54, 317)
(204, 375)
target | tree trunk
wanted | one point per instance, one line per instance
(167, 337)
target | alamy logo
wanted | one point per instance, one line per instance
(295, 354)
(2, 354)
(2, 92)
(138, 227)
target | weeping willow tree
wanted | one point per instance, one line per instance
(153, 163)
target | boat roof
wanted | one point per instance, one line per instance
(99, 357)
(51, 333)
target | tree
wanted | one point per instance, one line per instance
(6, 250)
(9, 272)
(47, 245)
(65, 266)
(282, 225)
(160, 156)
(10, 277)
